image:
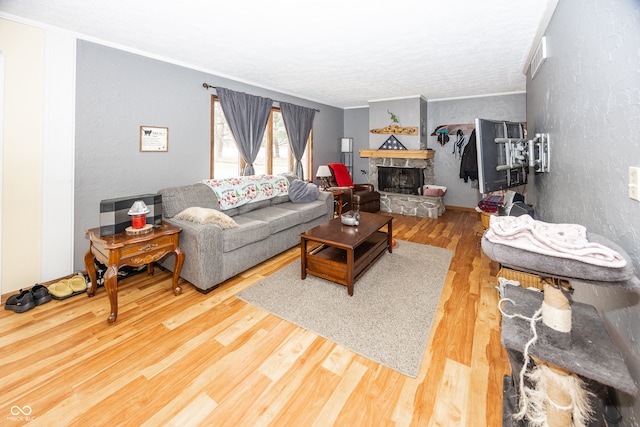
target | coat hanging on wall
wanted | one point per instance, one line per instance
(469, 162)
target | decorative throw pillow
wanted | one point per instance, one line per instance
(434, 190)
(303, 192)
(206, 215)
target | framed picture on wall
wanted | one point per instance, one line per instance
(153, 138)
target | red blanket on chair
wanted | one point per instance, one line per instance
(340, 172)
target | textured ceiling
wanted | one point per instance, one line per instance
(337, 52)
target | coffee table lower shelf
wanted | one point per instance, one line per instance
(332, 263)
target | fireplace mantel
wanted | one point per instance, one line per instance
(398, 154)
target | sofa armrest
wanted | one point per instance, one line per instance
(324, 195)
(202, 245)
(177, 199)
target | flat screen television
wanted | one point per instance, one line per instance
(491, 155)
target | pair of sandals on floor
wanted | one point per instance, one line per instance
(39, 294)
(28, 299)
(68, 287)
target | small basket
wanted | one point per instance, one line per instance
(485, 217)
(527, 280)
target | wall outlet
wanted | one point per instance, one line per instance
(634, 183)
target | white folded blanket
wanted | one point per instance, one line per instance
(560, 240)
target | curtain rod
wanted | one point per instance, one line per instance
(208, 86)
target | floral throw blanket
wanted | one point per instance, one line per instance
(238, 191)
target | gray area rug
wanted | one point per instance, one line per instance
(388, 319)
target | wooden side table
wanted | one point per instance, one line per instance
(337, 200)
(120, 249)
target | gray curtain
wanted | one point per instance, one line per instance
(297, 121)
(247, 116)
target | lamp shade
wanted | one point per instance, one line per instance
(139, 208)
(323, 171)
(346, 145)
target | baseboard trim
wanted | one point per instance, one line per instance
(460, 208)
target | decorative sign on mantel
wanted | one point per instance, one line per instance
(397, 130)
(154, 138)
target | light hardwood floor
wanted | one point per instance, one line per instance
(213, 360)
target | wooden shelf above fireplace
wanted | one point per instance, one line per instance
(399, 154)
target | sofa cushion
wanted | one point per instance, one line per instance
(309, 211)
(253, 206)
(279, 199)
(249, 230)
(278, 218)
(177, 199)
(206, 215)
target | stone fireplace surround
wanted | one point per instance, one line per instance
(406, 204)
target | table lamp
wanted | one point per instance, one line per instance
(138, 213)
(324, 173)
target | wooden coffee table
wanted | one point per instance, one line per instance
(343, 253)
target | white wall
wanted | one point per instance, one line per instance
(23, 48)
(37, 165)
(58, 155)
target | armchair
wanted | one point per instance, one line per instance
(361, 197)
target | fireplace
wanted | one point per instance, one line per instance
(408, 202)
(381, 165)
(400, 180)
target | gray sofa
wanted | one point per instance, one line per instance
(265, 229)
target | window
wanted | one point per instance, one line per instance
(274, 157)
